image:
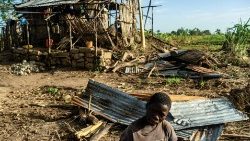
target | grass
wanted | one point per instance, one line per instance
(173, 81)
(52, 90)
(237, 39)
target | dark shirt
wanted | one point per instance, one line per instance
(139, 131)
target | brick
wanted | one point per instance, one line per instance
(84, 50)
(81, 55)
(74, 51)
(90, 55)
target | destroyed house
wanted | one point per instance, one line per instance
(81, 18)
(51, 26)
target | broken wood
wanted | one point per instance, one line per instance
(128, 64)
(102, 132)
(88, 130)
(92, 119)
(80, 102)
(127, 55)
(162, 50)
(106, 32)
(199, 69)
(151, 71)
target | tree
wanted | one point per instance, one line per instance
(182, 31)
(218, 31)
(195, 31)
(7, 10)
(173, 32)
(206, 32)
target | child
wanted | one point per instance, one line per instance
(153, 126)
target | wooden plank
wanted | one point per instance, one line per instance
(101, 133)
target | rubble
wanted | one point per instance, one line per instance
(26, 68)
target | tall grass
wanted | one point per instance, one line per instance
(237, 39)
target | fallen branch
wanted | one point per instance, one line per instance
(101, 133)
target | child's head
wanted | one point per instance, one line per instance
(158, 108)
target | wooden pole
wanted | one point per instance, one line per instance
(116, 23)
(1, 41)
(147, 14)
(10, 38)
(96, 40)
(70, 35)
(141, 26)
(28, 36)
(48, 30)
(152, 21)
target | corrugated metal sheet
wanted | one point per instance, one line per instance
(124, 108)
(41, 3)
(204, 115)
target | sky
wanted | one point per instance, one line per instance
(203, 14)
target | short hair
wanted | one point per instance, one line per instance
(161, 98)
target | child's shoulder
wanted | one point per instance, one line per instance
(167, 125)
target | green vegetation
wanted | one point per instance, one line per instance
(237, 39)
(52, 90)
(202, 84)
(234, 44)
(188, 37)
(6, 11)
(173, 81)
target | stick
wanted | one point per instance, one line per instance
(101, 133)
(89, 105)
(58, 135)
(76, 41)
(151, 71)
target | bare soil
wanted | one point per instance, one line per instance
(23, 115)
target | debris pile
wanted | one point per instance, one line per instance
(101, 104)
(192, 64)
(241, 98)
(26, 68)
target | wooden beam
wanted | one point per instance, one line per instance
(141, 25)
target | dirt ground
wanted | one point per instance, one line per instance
(23, 116)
